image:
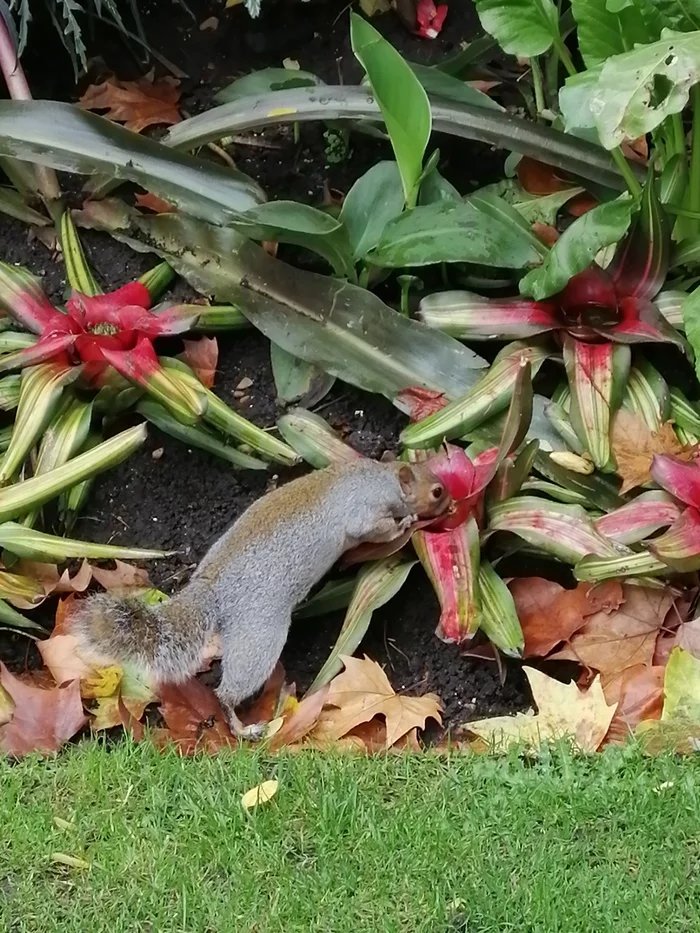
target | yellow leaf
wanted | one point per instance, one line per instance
(103, 683)
(634, 446)
(230, 3)
(7, 707)
(274, 726)
(361, 692)
(372, 7)
(63, 824)
(564, 711)
(260, 794)
(70, 860)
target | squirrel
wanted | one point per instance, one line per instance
(253, 576)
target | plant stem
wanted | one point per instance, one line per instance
(626, 172)
(678, 133)
(47, 181)
(564, 55)
(538, 85)
(693, 196)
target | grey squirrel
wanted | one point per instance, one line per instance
(251, 579)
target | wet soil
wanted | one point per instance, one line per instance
(170, 497)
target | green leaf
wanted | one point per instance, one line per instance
(302, 225)
(346, 330)
(376, 198)
(456, 231)
(531, 207)
(267, 79)
(436, 188)
(314, 439)
(682, 687)
(636, 91)
(575, 104)
(376, 584)
(690, 309)
(553, 147)
(35, 545)
(439, 84)
(683, 15)
(401, 98)
(296, 380)
(577, 247)
(73, 140)
(523, 28)
(14, 205)
(604, 31)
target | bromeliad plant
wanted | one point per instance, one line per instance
(96, 358)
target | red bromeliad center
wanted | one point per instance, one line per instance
(588, 304)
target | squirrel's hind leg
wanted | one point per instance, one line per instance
(248, 658)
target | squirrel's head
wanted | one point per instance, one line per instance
(423, 491)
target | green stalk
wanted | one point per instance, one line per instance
(37, 546)
(157, 279)
(626, 172)
(563, 54)
(538, 85)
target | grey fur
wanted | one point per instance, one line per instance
(250, 580)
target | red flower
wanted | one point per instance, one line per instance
(429, 19)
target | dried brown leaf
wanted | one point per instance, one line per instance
(301, 721)
(42, 720)
(639, 694)
(202, 356)
(194, 718)
(361, 692)
(634, 446)
(123, 575)
(136, 104)
(153, 203)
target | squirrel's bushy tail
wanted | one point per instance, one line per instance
(166, 639)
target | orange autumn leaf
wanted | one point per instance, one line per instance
(639, 694)
(42, 720)
(550, 614)
(540, 179)
(153, 203)
(361, 692)
(545, 232)
(634, 445)
(123, 575)
(301, 720)
(581, 204)
(194, 719)
(611, 642)
(136, 104)
(202, 356)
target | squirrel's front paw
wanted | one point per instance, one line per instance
(406, 522)
(254, 732)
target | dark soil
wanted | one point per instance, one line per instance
(170, 497)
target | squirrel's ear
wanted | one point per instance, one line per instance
(406, 476)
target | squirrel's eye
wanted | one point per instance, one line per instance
(437, 492)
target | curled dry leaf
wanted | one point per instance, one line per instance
(545, 232)
(302, 719)
(153, 203)
(202, 356)
(550, 614)
(563, 711)
(123, 575)
(634, 446)
(611, 642)
(260, 794)
(639, 694)
(42, 720)
(53, 581)
(420, 402)
(136, 104)
(361, 692)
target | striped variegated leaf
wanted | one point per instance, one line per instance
(314, 439)
(37, 546)
(498, 617)
(78, 272)
(640, 518)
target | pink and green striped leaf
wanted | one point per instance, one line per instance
(639, 519)
(23, 299)
(468, 316)
(679, 547)
(681, 479)
(640, 265)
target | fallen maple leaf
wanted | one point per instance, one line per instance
(688, 637)
(550, 614)
(153, 203)
(136, 104)
(123, 576)
(42, 720)
(264, 708)
(610, 642)
(301, 721)
(639, 694)
(202, 356)
(563, 711)
(363, 691)
(634, 446)
(194, 718)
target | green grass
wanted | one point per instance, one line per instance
(349, 845)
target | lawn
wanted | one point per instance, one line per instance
(349, 844)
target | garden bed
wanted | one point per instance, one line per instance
(166, 496)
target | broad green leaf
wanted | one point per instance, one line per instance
(401, 97)
(683, 15)
(636, 91)
(606, 29)
(577, 247)
(524, 28)
(575, 104)
(376, 198)
(14, 205)
(267, 79)
(682, 687)
(551, 146)
(346, 330)
(690, 309)
(439, 84)
(436, 188)
(297, 380)
(455, 231)
(314, 439)
(73, 140)
(532, 207)
(302, 225)
(376, 584)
